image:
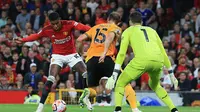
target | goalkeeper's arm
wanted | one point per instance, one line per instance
(167, 63)
(119, 60)
(122, 52)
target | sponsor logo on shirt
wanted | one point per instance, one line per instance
(62, 41)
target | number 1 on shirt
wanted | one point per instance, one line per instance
(145, 34)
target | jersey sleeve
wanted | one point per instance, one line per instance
(123, 48)
(89, 33)
(80, 26)
(166, 59)
(34, 37)
(115, 30)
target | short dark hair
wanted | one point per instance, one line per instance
(115, 17)
(135, 17)
(34, 92)
(53, 16)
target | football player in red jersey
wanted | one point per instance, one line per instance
(64, 51)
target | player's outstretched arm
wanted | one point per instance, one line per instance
(86, 35)
(167, 63)
(82, 37)
(80, 26)
(166, 59)
(123, 48)
(18, 40)
(108, 41)
(119, 60)
(32, 37)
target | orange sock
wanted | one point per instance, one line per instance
(93, 92)
(131, 96)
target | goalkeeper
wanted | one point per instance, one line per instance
(150, 56)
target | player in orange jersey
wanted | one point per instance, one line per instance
(99, 60)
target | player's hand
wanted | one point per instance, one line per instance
(174, 80)
(18, 40)
(111, 81)
(101, 59)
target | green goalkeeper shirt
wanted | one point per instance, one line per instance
(146, 45)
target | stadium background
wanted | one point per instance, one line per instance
(176, 21)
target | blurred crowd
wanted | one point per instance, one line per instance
(24, 66)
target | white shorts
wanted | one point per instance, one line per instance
(70, 60)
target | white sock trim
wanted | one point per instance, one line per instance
(117, 66)
(84, 74)
(51, 78)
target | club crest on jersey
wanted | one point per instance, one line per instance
(65, 33)
(53, 36)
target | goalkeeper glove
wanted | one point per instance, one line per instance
(112, 80)
(173, 78)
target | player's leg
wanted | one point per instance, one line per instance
(154, 83)
(54, 70)
(81, 68)
(96, 71)
(55, 67)
(104, 93)
(94, 75)
(77, 64)
(131, 96)
(129, 92)
(131, 72)
(105, 70)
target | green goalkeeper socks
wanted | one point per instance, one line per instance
(162, 94)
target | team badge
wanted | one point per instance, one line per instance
(117, 31)
(53, 36)
(65, 33)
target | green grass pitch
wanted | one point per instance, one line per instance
(70, 108)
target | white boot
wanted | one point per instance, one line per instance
(84, 99)
(88, 103)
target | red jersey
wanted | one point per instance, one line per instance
(11, 78)
(62, 40)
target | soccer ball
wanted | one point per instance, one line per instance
(59, 106)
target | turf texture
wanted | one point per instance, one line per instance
(75, 108)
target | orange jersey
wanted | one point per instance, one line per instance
(98, 35)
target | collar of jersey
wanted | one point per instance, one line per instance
(137, 25)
